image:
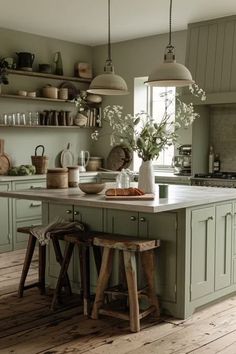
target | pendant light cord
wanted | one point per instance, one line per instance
(170, 22)
(109, 31)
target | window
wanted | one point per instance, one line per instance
(155, 101)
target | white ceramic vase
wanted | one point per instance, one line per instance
(146, 179)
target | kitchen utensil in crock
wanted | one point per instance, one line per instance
(40, 162)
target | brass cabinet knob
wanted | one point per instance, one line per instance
(133, 218)
(68, 211)
(142, 219)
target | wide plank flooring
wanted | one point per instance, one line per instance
(27, 326)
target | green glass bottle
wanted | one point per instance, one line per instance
(59, 65)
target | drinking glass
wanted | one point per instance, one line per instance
(22, 119)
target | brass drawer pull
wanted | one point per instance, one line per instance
(142, 219)
(210, 218)
(68, 211)
(76, 213)
(133, 218)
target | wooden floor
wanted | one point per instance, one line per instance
(27, 326)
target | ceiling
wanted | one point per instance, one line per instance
(85, 21)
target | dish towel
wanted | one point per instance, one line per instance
(59, 225)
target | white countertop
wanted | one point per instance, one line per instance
(179, 197)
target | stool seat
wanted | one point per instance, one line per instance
(126, 243)
(129, 246)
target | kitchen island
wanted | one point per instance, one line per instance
(196, 263)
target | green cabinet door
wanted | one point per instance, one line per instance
(122, 222)
(5, 221)
(163, 226)
(223, 241)
(202, 252)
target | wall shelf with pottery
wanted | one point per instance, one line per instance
(49, 76)
(46, 126)
(45, 99)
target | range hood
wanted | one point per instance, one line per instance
(211, 58)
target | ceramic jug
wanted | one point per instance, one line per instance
(25, 60)
(84, 159)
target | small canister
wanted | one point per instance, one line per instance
(73, 176)
(94, 163)
(57, 178)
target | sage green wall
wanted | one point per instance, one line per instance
(19, 142)
(136, 58)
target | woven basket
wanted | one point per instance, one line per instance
(40, 162)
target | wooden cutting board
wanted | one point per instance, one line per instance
(119, 157)
(5, 164)
(5, 160)
(131, 197)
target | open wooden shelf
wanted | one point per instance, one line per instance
(48, 76)
(46, 126)
(45, 99)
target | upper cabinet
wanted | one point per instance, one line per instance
(211, 57)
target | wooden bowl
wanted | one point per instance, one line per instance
(91, 188)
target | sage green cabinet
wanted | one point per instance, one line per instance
(223, 246)
(162, 226)
(5, 220)
(211, 249)
(202, 252)
(25, 212)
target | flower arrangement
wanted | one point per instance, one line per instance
(142, 134)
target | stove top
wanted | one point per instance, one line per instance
(218, 175)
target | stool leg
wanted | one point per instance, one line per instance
(148, 263)
(131, 276)
(85, 277)
(64, 267)
(59, 258)
(42, 267)
(97, 258)
(103, 278)
(27, 261)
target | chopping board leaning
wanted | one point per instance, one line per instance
(5, 160)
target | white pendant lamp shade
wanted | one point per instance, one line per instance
(170, 73)
(108, 83)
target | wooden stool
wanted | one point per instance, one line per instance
(84, 241)
(129, 246)
(42, 262)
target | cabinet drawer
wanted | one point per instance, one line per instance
(29, 185)
(28, 209)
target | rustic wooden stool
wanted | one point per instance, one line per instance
(84, 240)
(42, 262)
(129, 246)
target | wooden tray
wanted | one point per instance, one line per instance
(131, 197)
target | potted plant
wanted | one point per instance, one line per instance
(3, 72)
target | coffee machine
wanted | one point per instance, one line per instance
(183, 161)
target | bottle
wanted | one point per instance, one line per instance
(211, 160)
(216, 166)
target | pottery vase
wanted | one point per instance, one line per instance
(146, 179)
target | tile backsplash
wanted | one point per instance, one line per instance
(223, 135)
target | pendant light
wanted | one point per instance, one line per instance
(170, 73)
(108, 83)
